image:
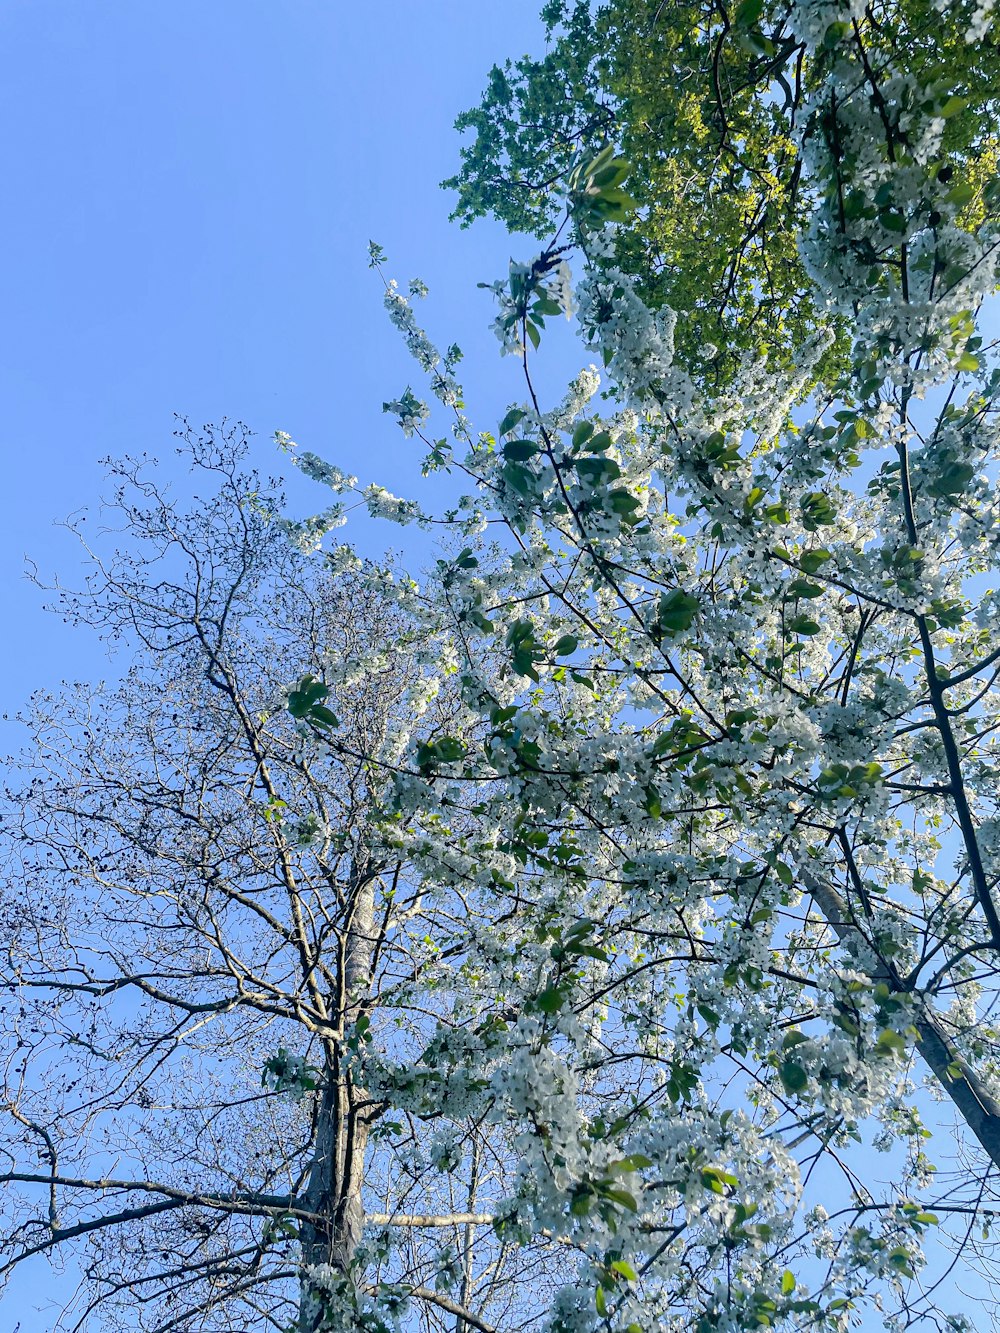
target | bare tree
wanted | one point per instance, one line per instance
(207, 929)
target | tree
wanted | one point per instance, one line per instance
(704, 101)
(745, 750)
(209, 924)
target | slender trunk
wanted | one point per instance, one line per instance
(461, 1324)
(975, 1103)
(337, 1171)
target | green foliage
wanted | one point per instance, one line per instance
(305, 703)
(701, 101)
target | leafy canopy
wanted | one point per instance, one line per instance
(707, 102)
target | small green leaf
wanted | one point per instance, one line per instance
(803, 624)
(519, 451)
(890, 1043)
(551, 1000)
(620, 1196)
(598, 470)
(811, 561)
(952, 107)
(793, 1077)
(953, 479)
(677, 611)
(958, 197)
(803, 588)
(748, 12)
(793, 1038)
(320, 716)
(515, 415)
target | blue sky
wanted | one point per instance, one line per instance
(190, 189)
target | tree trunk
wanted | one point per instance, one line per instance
(341, 1136)
(975, 1103)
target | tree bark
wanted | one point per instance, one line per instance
(977, 1106)
(337, 1172)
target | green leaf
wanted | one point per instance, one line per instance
(748, 12)
(519, 451)
(450, 748)
(517, 478)
(793, 1077)
(952, 480)
(715, 1179)
(626, 1270)
(817, 510)
(551, 1000)
(320, 716)
(803, 588)
(598, 470)
(635, 1161)
(890, 1043)
(804, 624)
(624, 503)
(677, 611)
(787, 1283)
(308, 692)
(962, 194)
(447, 750)
(304, 703)
(952, 107)
(515, 415)
(620, 1196)
(812, 561)
(566, 645)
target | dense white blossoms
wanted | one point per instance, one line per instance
(719, 792)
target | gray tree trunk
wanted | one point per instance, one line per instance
(333, 1192)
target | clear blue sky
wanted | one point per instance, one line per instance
(189, 192)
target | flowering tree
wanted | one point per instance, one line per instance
(206, 922)
(737, 765)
